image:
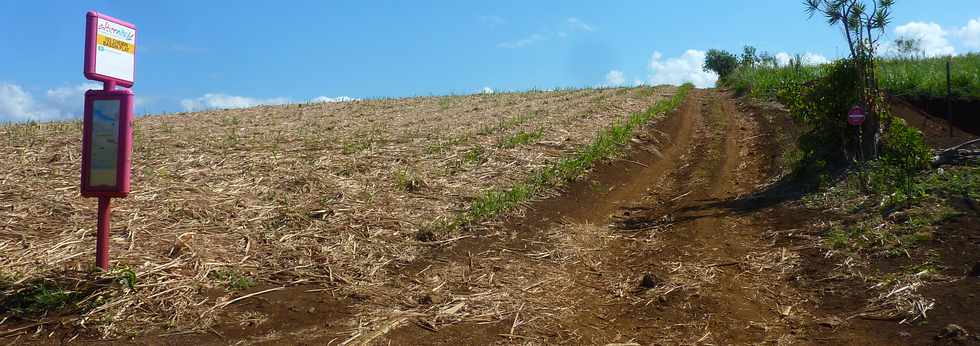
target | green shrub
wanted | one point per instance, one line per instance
(821, 107)
(721, 62)
(904, 154)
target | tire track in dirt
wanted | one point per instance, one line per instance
(661, 247)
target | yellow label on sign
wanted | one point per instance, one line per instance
(116, 44)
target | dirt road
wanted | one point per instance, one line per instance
(666, 246)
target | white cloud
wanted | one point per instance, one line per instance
(63, 102)
(615, 78)
(486, 90)
(212, 101)
(524, 42)
(576, 23)
(70, 99)
(970, 34)
(16, 104)
(334, 99)
(932, 36)
(814, 59)
(680, 70)
(784, 59)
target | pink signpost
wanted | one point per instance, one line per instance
(107, 135)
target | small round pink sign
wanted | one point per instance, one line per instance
(855, 116)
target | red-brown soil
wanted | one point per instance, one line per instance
(934, 128)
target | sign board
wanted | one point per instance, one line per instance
(107, 143)
(110, 49)
(107, 130)
(855, 116)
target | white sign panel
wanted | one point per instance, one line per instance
(105, 142)
(115, 50)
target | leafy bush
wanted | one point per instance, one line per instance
(721, 62)
(821, 107)
(904, 155)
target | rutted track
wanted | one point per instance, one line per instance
(677, 213)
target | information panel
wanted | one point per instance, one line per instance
(105, 143)
(115, 50)
(110, 50)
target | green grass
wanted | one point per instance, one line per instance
(408, 181)
(927, 77)
(894, 229)
(765, 82)
(40, 297)
(475, 155)
(520, 138)
(507, 124)
(232, 279)
(901, 77)
(605, 145)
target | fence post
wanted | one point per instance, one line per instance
(949, 94)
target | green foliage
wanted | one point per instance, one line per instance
(507, 124)
(749, 56)
(921, 78)
(909, 47)
(963, 183)
(721, 62)
(914, 78)
(863, 25)
(475, 155)
(838, 238)
(125, 277)
(867, 237)
(821, 107)
(606, 144)
(409, 181)
(232, 279)
(819, 98)
(39, 297)
(904, 155)
(765, 81)
(521, 138)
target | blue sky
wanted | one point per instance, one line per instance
(215, 54)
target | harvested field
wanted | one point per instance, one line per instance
(351, 224)
(230, 203)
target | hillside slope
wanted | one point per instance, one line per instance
(228, 202)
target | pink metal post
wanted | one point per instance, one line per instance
(102, 243)
(107, 153)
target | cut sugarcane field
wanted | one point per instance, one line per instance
(730, 196)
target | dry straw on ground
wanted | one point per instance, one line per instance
(325, 194)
